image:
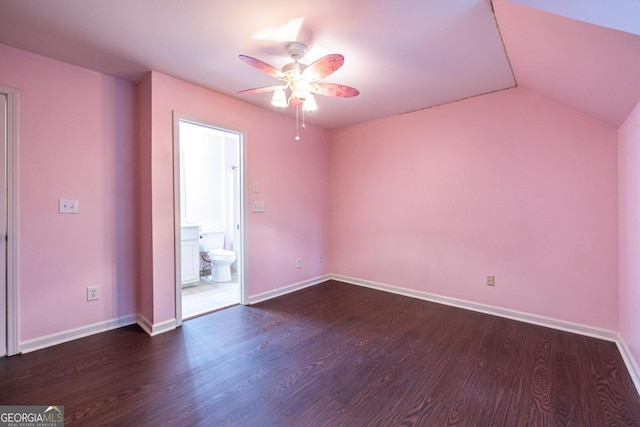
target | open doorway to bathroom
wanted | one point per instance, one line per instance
(209, 274)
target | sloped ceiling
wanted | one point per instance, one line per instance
(416, 56)
(619, 15)
(588, 67)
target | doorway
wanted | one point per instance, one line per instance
(4, 110)
(8, 222)
(208, 171)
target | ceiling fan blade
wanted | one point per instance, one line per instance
(261, 89)
(262, 66)
(324, 66)
(332, 89)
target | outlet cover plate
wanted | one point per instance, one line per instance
(93, 293)
(68, 206)
(258, 207)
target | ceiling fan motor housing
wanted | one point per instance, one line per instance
(294, 69)
(296, 50)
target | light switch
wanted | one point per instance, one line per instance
(68, 206)
(258, 207)
(256, 187)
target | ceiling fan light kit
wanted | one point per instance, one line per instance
(301, 80)
(279, 99)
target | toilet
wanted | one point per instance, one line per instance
(212, 244)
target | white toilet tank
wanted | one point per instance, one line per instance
(211, 239)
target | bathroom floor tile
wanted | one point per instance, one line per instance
(205, 297)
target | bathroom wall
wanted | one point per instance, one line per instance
(77, 140)
(292, 178)
(629, 230)
(203, 173)
(232, 190)
(509, 184)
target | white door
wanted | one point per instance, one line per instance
(3, 223)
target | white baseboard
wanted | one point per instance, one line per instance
(254, 299)
(74, 334)
(534, 319)
(629, 360)
(155, 329)
(148, 326)
(168, 325)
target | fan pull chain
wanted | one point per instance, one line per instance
(297, 138)
(303, 125)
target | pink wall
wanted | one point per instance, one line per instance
(509, 184)
(588, 67)
(77, 133)
(629, 230)
(144, 289)
(85, 135)
(292, 178)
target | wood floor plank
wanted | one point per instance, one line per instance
(331, 355)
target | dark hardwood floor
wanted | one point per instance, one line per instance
(333, 354)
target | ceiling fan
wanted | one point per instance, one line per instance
(301, 80)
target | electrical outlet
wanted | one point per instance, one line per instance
(298, 262)
(258, 206)
(321, 259)
(491, 280)
(93, 293)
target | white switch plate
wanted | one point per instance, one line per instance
(258, 206)
(256, 187)
(68, 206)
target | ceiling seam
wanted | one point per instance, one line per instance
(504, 47)
(456, 100)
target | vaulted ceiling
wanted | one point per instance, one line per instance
(405, 57)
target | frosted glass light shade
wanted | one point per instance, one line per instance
(279, 99)
(309, 103)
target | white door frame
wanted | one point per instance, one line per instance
(11, 279)
(177, 117)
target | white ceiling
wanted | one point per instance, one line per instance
(402, 56)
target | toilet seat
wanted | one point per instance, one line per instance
(221, 254)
